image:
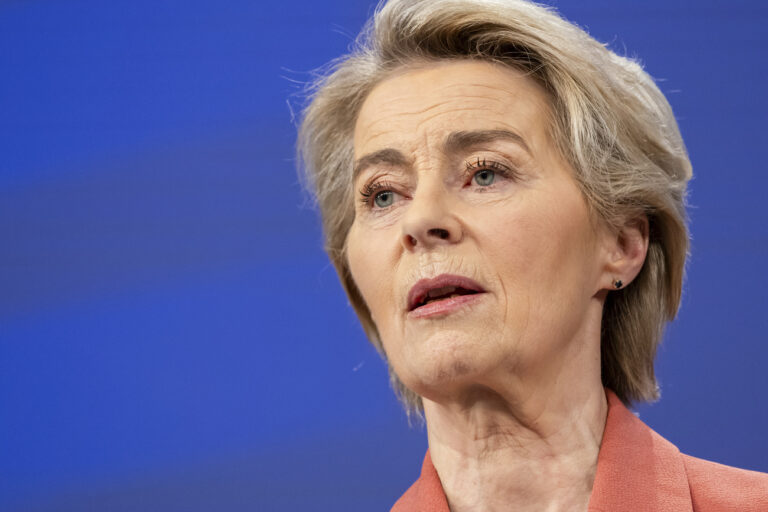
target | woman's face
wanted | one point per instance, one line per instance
(456, 176)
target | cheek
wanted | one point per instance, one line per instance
(375, 287)
(516, 246)
(541, 253)
(540, 240)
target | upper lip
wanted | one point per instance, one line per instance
(423, 286)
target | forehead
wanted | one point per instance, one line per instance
(424, 104)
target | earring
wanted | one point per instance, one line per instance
(617, 283)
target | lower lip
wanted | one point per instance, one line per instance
(445, 306)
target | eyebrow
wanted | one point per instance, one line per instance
(456, 141)
(383, 156)
(465, 139)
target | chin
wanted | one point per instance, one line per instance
(437, 373)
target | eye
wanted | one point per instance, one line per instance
(384, 198)
(485, 173)
(484, 177)
(378, 196)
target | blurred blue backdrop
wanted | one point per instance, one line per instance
(172, 336)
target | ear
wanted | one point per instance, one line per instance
(627, 250)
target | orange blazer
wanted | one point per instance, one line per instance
(637, 471)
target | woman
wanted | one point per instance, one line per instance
(504, 201)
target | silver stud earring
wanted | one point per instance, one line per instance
(617, 283)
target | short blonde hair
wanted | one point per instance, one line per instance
(610, 122)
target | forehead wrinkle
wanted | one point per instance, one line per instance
(390, 115)
(386, 117)
(525, 91)
(421, 122)
(463, 108)
(515, 90)
(395, 103)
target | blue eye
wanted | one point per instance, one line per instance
(484, 177)
(384, 198)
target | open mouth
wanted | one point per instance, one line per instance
(441, 288)
(446, 292)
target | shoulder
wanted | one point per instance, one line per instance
(718, 487)
(408, 501)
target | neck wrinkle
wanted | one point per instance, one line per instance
(539, 452)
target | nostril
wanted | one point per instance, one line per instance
(429, 237)
(440, 233)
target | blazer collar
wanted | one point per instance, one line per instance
(637, 469)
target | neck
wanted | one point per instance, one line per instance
(533, 448)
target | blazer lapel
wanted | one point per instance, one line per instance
(637, 469)
(426, 494)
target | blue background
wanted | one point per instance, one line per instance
(172, 336)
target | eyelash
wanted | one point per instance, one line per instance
(485, 165)
(369, 190)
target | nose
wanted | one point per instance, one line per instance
(429, 222)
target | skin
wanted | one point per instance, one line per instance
(513, 400)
